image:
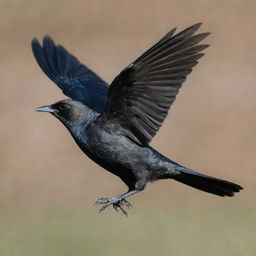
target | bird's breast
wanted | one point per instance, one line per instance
(110, 148)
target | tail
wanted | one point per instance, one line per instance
(206, 183)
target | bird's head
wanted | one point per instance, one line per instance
(69, 111)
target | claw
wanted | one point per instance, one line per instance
(117, 203)
(104, 207)
(115, 207)
(124, 212)
(102, 201)
(127, 203)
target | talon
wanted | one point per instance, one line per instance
(127, 203)
(124, 212)
(115, 207)
(103, 208)
(116, 202)
(102, 201)
(119, 205)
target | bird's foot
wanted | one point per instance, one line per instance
(116, 202)
(103, 201)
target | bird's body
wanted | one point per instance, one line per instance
(114, 126)
(116, 153)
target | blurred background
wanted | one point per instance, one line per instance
(48, 186)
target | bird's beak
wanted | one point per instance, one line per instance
(46, 109)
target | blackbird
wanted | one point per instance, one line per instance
(113, 125)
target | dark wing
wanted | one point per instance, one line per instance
(75, 80)
(141, 95)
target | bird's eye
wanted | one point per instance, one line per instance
(64, 107)
(61, 108)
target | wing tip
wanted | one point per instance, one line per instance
(205, 34)
(35, 43)
(196, 26)
(47, 37)
(34, 40)
(203, 47)
(47, 40)
(171, 31)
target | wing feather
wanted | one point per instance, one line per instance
(141, 95)
(75, 79)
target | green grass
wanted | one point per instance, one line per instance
(148, 232)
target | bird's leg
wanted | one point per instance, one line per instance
(117, 202)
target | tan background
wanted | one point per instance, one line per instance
(48, 187)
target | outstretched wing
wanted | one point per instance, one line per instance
(141, 95)
(75, 80)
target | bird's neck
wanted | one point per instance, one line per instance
(78, 128)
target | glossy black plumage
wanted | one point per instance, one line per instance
(113, 126)
(74, 79)
(141, 95)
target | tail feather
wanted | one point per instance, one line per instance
(207, 183)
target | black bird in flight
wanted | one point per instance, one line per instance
(113, 125)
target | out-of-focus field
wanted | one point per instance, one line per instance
(48, 187)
